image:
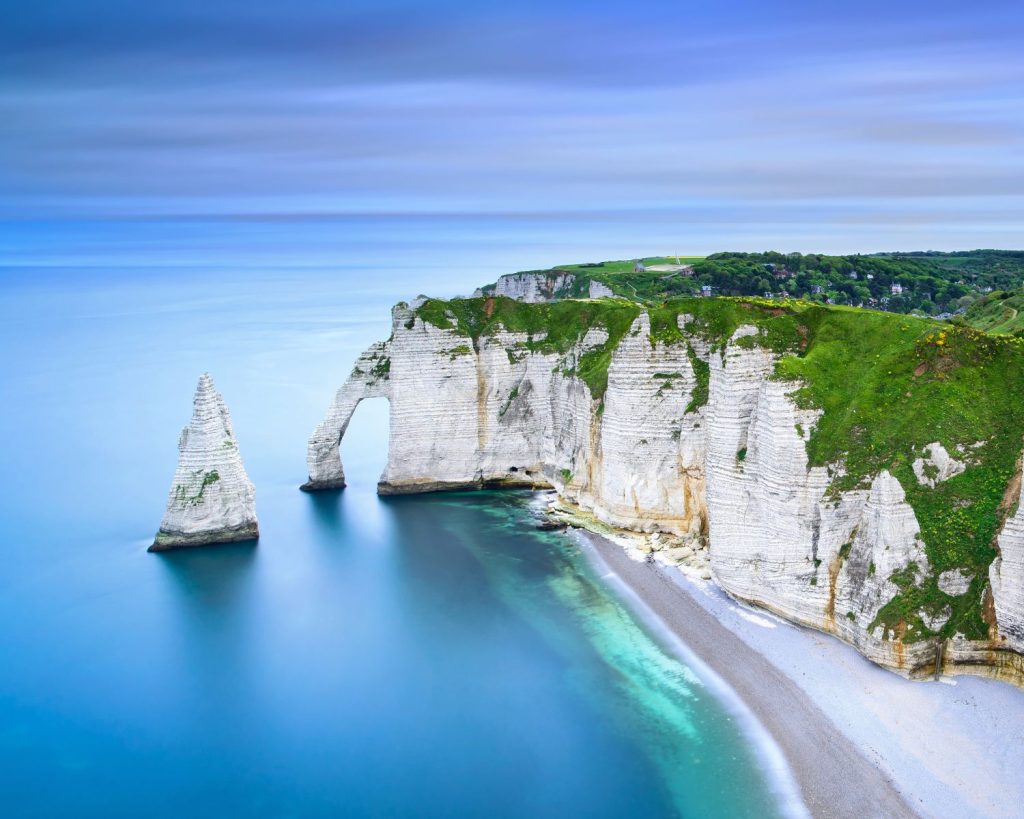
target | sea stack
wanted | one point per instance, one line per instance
(211, 500)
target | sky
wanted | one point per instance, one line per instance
(701, 126)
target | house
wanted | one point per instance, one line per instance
(706, 290)
(768, 266)
(782, 274)
(817, 288)
(896, 289)
(767, 294)
(638, 267)
(870, 276)
(784, 294)
(883, 301)
(853, 275)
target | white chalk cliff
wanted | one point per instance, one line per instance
(937, 466)
(1007, 577)
(729, 476)
(532, 287)
(212, 499)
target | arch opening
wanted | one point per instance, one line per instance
(365, 440)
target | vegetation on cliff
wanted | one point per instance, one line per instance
(928, 282)
(999, 312)
(552, 327)
(887, 385)
(891, 385)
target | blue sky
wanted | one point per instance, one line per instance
(829, 126)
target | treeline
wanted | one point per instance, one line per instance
(927, 281)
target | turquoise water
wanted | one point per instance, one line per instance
(432, 655)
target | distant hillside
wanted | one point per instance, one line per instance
(999, 312)
(930, 282)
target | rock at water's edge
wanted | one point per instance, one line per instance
(212, 499)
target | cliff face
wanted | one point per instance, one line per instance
(1007, 576)
(535, 287)
(369, 379)
(689, 431)
(212, 499)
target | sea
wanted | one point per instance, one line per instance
(420, 656)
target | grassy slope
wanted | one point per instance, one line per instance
(1000, 312)
(888, 384)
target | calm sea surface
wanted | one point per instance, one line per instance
(430, 655)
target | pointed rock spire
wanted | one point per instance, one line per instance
(211, 500)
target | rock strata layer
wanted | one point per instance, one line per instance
(212, 499)
(695, 446)
(532, 287)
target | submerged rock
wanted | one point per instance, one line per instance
(212, 499)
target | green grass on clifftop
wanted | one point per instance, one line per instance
(550, 328)
(888, 386)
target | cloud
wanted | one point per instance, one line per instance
(708, 113)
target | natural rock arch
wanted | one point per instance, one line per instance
(370, 378)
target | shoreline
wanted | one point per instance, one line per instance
(859, 740)
(832, 776)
